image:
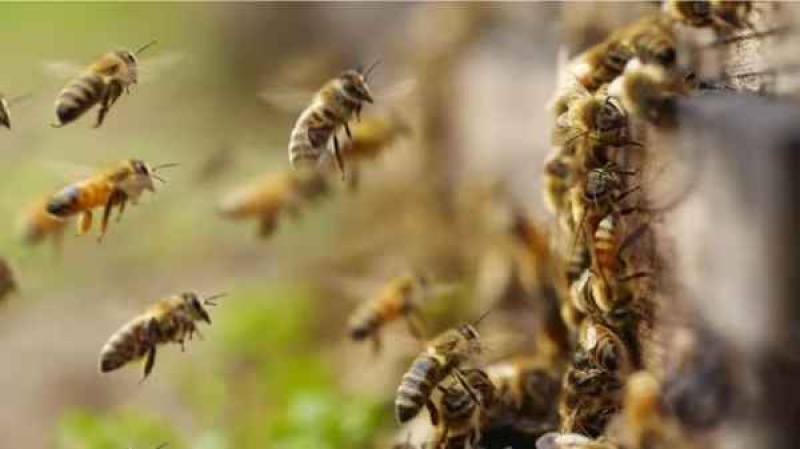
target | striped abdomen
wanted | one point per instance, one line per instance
(126, 345)
(425, 373)
(605, 243)
(310, 136)
(79, 197)
(374, 314)
(79, 96)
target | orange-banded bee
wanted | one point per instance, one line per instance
(115, 186)
(278, 193)
(102, 82)
(332, 108)
(170, 320)
(8, 282)
(36, 224)
(400, 298)
(462, 412)
(527, 390)
(444, 355)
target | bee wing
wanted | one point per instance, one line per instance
(69, 171)
(357, 288)
(398, 90)
(289, 100)
(62, 69)
(152, 68)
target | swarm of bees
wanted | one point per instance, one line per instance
(587, 385)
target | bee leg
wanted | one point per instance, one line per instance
(84, 222)
(115, 197)
(337, 153)
(432, 411)
(460, 377)
(347, 131)
(113, 92)
(121, 209)
(354, 180)
(358, 113)
(149, 362)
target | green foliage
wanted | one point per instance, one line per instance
(83, 429)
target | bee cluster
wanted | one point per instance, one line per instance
(602, 373)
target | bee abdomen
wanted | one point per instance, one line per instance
(364, 324)
(128, 344)
(80, 95)
(65, 202)
(416, 387)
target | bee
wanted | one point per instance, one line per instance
(276, 193)
(648, 91)
(332, 108)
(374, 134)
(170, 319)
(115, 186)
(444, 355)
(559, 174)
(718, 14)
(527, 388)
(591, 123)
(555, 440)
(692, 13)
(8, 282)
(589, 398)
(401, 298)
(102, 82)
(36, 224)
(605, 349)
(461, 415)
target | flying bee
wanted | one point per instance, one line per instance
(36, 224)
(170, 320)
(277, 193)
(527, 389)
(444, 355)
(400, 298)
(8, 282)
(332, 108)
(115, 186)
(461, 416)
(5, 104)
(103, 82)
(374, 134)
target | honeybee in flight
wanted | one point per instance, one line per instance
(36, 224)
(285, 191)
(103, 82)
(400, 298)
(444, 355)
(170, 320)
(460, 414)
(332, 108)
(115, 186)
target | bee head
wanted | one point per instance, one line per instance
(609, 116)
(196, 309)
(143, 174)
(355, 86)
(617, 56)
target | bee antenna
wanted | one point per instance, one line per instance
(168, 165)
(369, 69)
(210, 300)
(483, 315)
(159, 178)
(145, 47)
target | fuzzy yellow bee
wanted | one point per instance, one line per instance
(278, 193)
(116, 186)
(36, 224)
(338, 102)
(102, 82)
(462, 412)
(170, 320)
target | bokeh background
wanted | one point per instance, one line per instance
(276, 368)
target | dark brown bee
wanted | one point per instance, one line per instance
(444, 355)
(462, 412)
(333, 107)
(102, 82)
(170, 320)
